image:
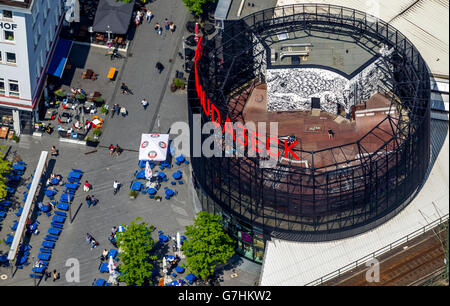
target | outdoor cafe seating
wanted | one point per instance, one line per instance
(179, 269)
(90, 75)
(99, 282)
(190, 278)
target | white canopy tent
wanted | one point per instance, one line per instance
(154, 147)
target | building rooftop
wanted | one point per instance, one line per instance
(425, 23)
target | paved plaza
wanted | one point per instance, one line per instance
(171, 216)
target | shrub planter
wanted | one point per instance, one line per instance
(91, 143)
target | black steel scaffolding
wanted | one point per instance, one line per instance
(357, 188)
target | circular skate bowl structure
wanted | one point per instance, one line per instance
(322, 188)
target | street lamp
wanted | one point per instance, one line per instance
(108, 31)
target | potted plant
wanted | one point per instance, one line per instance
(104, 110)
(98, 101)
(80, 97)
(179, 83)
(60, 93)
(133, 194)
(97, 132)
(158, 198)
(15, 138)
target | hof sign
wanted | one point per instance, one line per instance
(8, 26)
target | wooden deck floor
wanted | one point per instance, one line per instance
(298, 123)
(312, 131)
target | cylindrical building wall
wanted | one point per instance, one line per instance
(324, 201)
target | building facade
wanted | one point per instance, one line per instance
(28, 34)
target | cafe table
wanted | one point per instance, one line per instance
(18, 167)
(75, 175)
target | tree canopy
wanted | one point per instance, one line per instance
(196, 6)
(5, 169)
(136, 245)
(207, 245)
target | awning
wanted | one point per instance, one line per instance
(113, 16)
(154, 147)
(222, 9)
(60, 56)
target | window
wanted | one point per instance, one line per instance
(38, 70)
(36, 39)
(13, 88)
(47, 41)
(56, 15)
(7, 14)
(1, 58)
(2, 86)
(9, 35)
(35, 15)
(10, 58)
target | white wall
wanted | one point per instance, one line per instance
(31, 59)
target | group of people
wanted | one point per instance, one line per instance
(58, 178)
(55, 275)
(139, 16)
(119, 110)
(168, 25)
(112, 236)
(91, 240)
(91, 200)
(115, 149)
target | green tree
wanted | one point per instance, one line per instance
(196, 6)
(136, 246)
(207, 245)
(5, 169)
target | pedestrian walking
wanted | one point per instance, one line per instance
(144, 103)
(86, 186)
(116, 186)
(93, 201)
(137, 19)
(118, 150)
(158, 29)
(166, 24)
(104, 255)
(172, 27)
(149, 16)
(116, 109)
(111, 150)
(89, 200)
(46, 274)
(330, 133)
(112, 239)
(123, 111)
(159, 67)
(94, 244)
(55, 275)
(125, 89)
(88, 238)
(54, 151)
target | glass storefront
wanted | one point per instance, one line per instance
(249, 239)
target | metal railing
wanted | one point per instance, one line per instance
(379, 252)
